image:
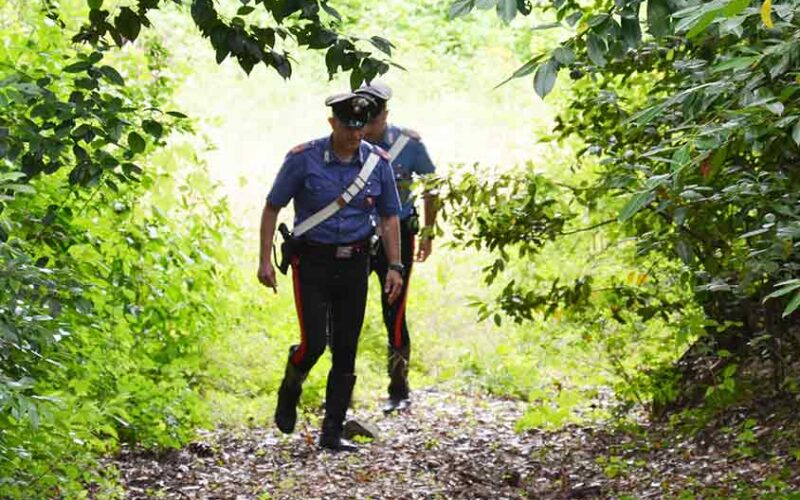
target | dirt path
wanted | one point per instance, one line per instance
(452, 446)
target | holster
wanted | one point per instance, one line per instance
(289, 248)
(411, 223)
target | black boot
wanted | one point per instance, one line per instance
(337, 399)
(288, 397)
(398, 380)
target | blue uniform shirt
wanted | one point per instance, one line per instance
(313, 177)
(413, 160)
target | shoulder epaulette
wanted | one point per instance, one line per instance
(411, 133)
(300, 148)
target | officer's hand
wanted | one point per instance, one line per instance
(266, 275)
(393, 286)
(425, 249)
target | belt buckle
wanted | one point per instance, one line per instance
(344, 252)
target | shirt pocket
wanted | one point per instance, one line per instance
(317, 183)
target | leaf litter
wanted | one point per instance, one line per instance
(461, 446)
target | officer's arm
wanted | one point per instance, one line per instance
(266, 272)
(390, 235)
(269, 219)
(431, 203)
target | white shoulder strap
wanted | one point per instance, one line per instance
(398, 146)
(352, 190)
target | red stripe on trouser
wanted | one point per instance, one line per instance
(398, 321)
(298, 354)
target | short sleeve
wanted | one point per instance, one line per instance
(388, 203)
(288, 181)
(421, 163)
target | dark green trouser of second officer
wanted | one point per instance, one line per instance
(394, 317)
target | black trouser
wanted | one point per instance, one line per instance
(330, 295)
(394, 315)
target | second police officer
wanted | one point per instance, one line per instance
(408, 158)
(335, 194)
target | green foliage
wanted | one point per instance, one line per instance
(260, 33)
(689, 142)
(110, 275)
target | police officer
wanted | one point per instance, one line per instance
(330, 267)
(409, 158)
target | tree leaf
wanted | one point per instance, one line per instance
(112, 75)
(564, 55)
(485, 4)
(545, 78)
(631, 31)
(136, 143)
(684, 251)
(658, 18)
(704, 22)
(461, 8)
(507, 10)
(596, 49)
(382, 44)
(245, 10)
(792, 305)
(128, 23)
(331, 11)
(735, 7)
(95, 4)
(524, 70)
(636, 203)
(153, 128)
(796, 132)
(766, 17)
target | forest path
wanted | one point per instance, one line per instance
(454, 446)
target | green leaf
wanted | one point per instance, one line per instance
(596, 49)
(243, 11)
(136, 143)
(20, 188)
(153, 128)
(128, 23)
(461, 8)
(77, 67)
(331, 11)
(524, 70)
(684, 251)
(95, 4)
(735, 7)
(382, 44)
(564, 55)
(507, 10)
(783, 291)
(112, 75)
(176, 114)
(735, 64)
(485, 4)
(703, 23)
(636, 203)
(658, 18)
(792, 305)
(631, 31)
(796, 132)
(545, 78)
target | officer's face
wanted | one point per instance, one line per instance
(374, 131)
(345, 137)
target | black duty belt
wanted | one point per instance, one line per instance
(343, 251)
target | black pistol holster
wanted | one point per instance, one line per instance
(289, 248)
